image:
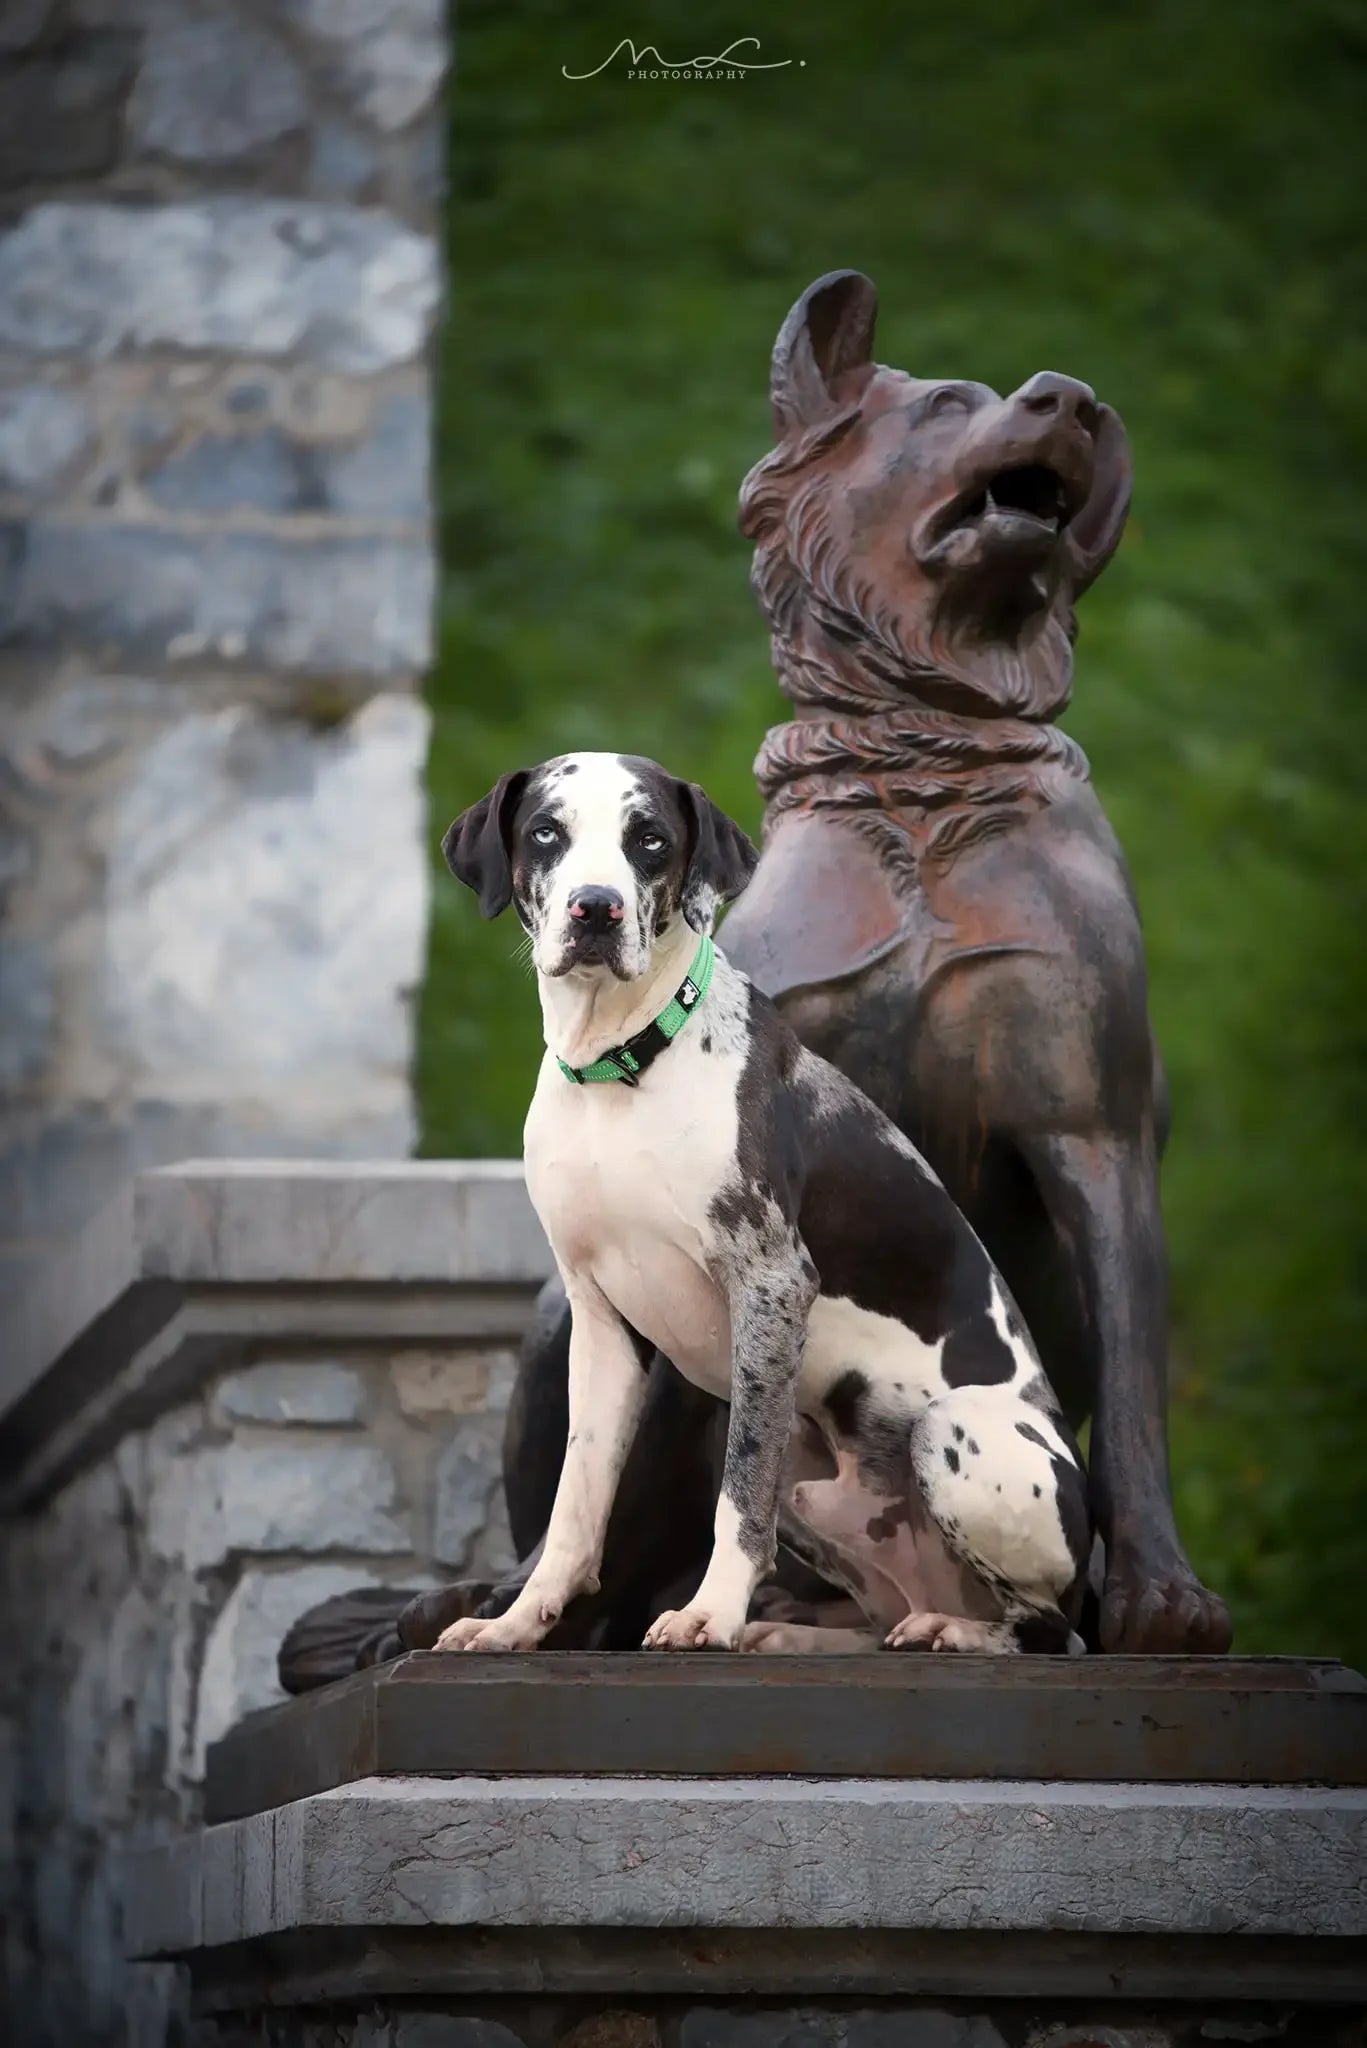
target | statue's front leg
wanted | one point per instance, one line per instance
(607, 1385)
(1102, 1196)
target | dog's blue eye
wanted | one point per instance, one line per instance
(544, 835)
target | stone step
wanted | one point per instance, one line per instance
(1109, 1720)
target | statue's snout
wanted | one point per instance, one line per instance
(1049, 396)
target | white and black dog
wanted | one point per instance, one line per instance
(712, 1190)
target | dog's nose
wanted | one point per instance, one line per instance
(1047, 394)
(596, 908)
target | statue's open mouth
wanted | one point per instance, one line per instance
(1015, 514)
(1027, 496)
(1031, 492)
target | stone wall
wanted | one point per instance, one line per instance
(246, 1387)
(218, 288)
(145, 1604)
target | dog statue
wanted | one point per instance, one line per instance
(715, 1193)
(942, 910)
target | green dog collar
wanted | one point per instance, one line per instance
(629, 1061)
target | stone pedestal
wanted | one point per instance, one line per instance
(497, 1850)
(955, 1913)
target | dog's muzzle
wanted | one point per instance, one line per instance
(596, 910)
(594, 928)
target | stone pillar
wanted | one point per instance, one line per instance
(218, 288)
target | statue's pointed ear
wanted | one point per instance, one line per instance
(478, 847)
(721, 858)
(822, 345)
(1094, 535)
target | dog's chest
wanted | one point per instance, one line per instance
(623, 1181)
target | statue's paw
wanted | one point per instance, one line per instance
(777, 1638)
(428, 1614)
(342, 1635)
(772, 1602)
(806, 1639)
(508, 1632)
(1159, 1608)
(692, 1628)
(951, 1632)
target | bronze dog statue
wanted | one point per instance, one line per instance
(943, 912)
(942, 909)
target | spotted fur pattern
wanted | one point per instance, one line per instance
(749, 1213)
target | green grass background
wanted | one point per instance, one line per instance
(1163, 199)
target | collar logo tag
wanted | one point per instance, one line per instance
(688, 995)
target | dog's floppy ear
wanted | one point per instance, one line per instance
(827, 336)
(1094, 535)
(478, 845)
(721, 859)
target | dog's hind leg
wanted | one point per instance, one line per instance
(843, 1626)
(1006, 1489)
(783, 1624)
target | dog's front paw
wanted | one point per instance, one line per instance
(507, 1632)
(1156, 1606)
(691, 1628)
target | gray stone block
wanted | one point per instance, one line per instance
(352, 289)
(28, 1007)
(353, 606)
(314, 1499)
(796, 2027)
(386, 56)
(381, 476)
(385, 474)
(295, 1390)
(773, 1853)
(238, 1672)
(261, 472)
(266, 910)
(342, 163)
(269, 1498)
(439, 1221)
(467, 1473)
(59, 114)
(436, 1386)
(214, 90)
(42, 433)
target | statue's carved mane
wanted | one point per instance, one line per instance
(896, 714)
